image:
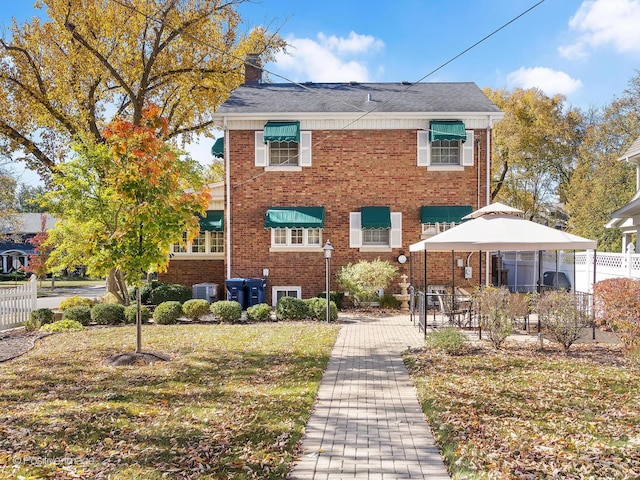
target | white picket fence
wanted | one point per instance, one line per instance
(16, 304)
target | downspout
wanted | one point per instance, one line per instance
(488, 161)
(227, 178)
(488, 193)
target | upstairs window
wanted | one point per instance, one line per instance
(375, 229)
(445, 144)
(282, 144)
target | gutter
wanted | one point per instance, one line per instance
(227, 177)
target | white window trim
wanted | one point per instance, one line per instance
(302, 247)
(189, 255)
(467, 151)
(262, 153)
(439, 227)
(280, 288)
(355, 234)
(282, 168)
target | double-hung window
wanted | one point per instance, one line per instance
(446, 144)
(375, 228)
(295, 228)
(292, 237)
(282, 145)
(209, 240)
(440, 218)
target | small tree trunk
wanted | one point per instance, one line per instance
(117, 286)
(138, 321)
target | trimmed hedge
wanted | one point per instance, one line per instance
(170, 292)
(336, 297)
(167, 313)
(228, 311)
(108, 314)
(131, 311)
(42, 315)
(75, 301)
(79, 313)
(63, 325)
(317, 308)
(195, 308)
(289, 308)
(259, 313)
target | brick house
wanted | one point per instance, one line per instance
(202, 259)
(370, 167)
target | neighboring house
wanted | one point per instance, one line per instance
(14, 245)
(202, 259)
(627, 218)
(370, 167)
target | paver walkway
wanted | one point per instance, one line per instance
(367, 422)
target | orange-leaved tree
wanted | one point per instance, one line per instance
(121, 204)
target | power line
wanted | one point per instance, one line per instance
(316, 92)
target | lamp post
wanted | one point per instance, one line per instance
(328, 251)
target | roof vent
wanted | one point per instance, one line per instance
(368, 97)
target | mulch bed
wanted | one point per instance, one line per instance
(16, 342)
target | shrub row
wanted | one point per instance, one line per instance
(289, 308)
(84, 311)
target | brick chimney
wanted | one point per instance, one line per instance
(252, 69)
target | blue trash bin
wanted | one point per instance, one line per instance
(236, 290)
(256, 291)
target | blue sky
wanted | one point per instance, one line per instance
(586, 50)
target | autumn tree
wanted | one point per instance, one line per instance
(37, 263)
(534, 149)
(122, 204)
(7, 201)
(601, 183)
(93, 60)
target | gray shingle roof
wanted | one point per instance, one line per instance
(632, 152)
(354, 97)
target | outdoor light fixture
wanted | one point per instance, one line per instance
(328, 251)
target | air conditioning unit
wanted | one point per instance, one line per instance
(205, 291)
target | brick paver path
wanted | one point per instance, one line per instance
(367, 422)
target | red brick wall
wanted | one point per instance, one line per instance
(349, 169)
(190, 272)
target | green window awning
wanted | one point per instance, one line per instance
(447, 131)
(294, 217)
(282, 132)
(443, 213)
(218, 148)
(375, 218)
(212, 222)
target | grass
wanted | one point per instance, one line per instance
(522, 413)
(232, 402)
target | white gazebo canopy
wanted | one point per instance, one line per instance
(497, 227)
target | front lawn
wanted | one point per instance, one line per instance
(232, 402)
(525, 414)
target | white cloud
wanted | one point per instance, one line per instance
(327, 58)
(605, 22)
(549, 81)
(355, 43)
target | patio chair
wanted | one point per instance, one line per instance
(452, 309)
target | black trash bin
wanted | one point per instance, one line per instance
(236, 290)
(256, 291)
(556, 281)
